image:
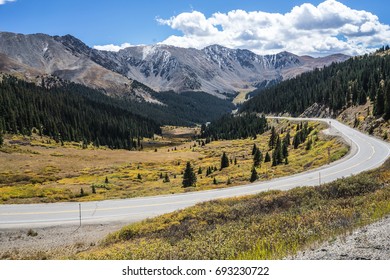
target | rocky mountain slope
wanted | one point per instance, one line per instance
(38, 55)
(215, 69)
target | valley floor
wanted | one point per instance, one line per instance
(38, 170)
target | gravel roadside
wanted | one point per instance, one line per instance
(371, 242)
(52, 242)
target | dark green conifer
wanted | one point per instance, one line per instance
(267, 157)
(189, 177)
(254, 149)
(272, 139)
(257, 158)
(224, 161)
(254, 175)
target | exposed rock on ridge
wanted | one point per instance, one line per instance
(215, 69)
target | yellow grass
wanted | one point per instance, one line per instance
(44, 171)
(269, 225)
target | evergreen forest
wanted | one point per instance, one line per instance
(337, 86)
(70, 112)
(235, 127)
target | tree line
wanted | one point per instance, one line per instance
(230, 127)
(70, 112)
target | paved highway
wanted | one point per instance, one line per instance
(366, 153)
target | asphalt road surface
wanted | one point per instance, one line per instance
(366, 153)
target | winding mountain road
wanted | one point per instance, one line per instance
(366, 153)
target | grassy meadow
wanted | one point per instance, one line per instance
(270, 225)
(37, 169)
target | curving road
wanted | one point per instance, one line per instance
(366, 153)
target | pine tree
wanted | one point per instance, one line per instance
(189, 177)
(166, 178)
(139, 177)
(235, 161)
(387, 101)
(297, 140)
(106, 180)
(254, 149)
(257, 158)
(215, 181)
(224, 161)
(379, 105)
(267, 157)
(287, 139)
(274, 160)
(93, 189)
(278, 152)
(284, 150)
(254, 175)
(1, 138)
(200, 170)
(272, 139)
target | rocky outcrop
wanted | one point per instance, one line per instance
(317, 111)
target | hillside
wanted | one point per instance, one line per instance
(41, 54)
(70, 112)
(270, 225)
(215, 69)
(334, 88)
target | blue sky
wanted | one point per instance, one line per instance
(197, 23)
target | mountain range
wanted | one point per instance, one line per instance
(137, 72)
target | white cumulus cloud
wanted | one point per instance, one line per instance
(330, 27)
(191, 24)
(5, 1)
(112, 47)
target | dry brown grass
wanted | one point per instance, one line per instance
(37, 170)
